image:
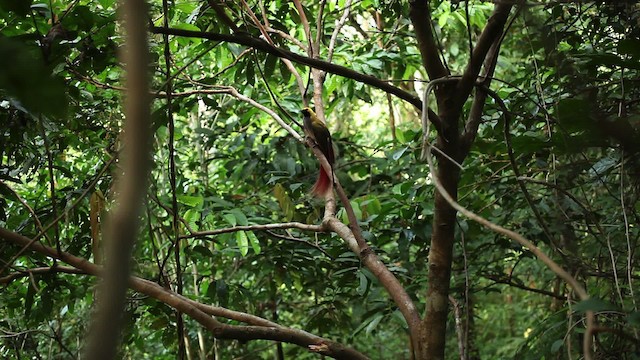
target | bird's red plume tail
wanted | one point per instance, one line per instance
(323, 184)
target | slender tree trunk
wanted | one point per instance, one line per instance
(434, 325)
(440, 258)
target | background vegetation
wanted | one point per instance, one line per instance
(563, 172)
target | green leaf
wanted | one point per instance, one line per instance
(398, 153)
(374, 323)
(634, 318)
(203, 251)
(191, 216)
(240, 217)
(575, 115)
(107, 3)
(211, 291)
(255, 244)
(193, 201)
(29, 299)
(363, 283)
(25, 78)
(594, 304)
(243, 243)
(185, 26)
(230, 219)
(286, 205)
(372, 206)
(222, 292)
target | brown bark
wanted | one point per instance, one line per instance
(434, 324)
(451, 97)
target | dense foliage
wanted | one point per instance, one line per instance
(568, 74)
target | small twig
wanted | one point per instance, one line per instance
(38, 271)
(626, 231)
(506, 280)
(457, 314)
(172, 179)
(263, 227)
(24, 203)
(294, 239)
(52, 186)
(339, 24)
(265, 33)
(426, 120)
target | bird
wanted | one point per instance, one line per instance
(319, 133)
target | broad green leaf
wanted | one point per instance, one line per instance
(239, 216)
(363, 283)
(193, 201)
(28, 81)
(192, 216)
(222, 292)
(231, 219)
(374, 323)
(255, 243)
(594, 304)
(286, 205)
(243, 242)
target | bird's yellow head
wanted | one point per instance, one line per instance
(307, 112)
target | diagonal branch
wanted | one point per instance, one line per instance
(260, 329)
(542, 256)
(477, 106)
(257, 227)
(491, 33)
(259, 44)
(265, 34)
(420, 15)
(352, 235)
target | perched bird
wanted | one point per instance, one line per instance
(319, 133)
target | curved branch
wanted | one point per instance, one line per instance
(63, 215)
(339, 24)
(352, 235)
(264, 227)
(259, 44)
(260, 329)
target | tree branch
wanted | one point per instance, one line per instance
(420, 15)
(261, 329)
(491, 33)
(552, 265)
(352, 235)
(264, 227)
(41, 270)
(259, 44)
